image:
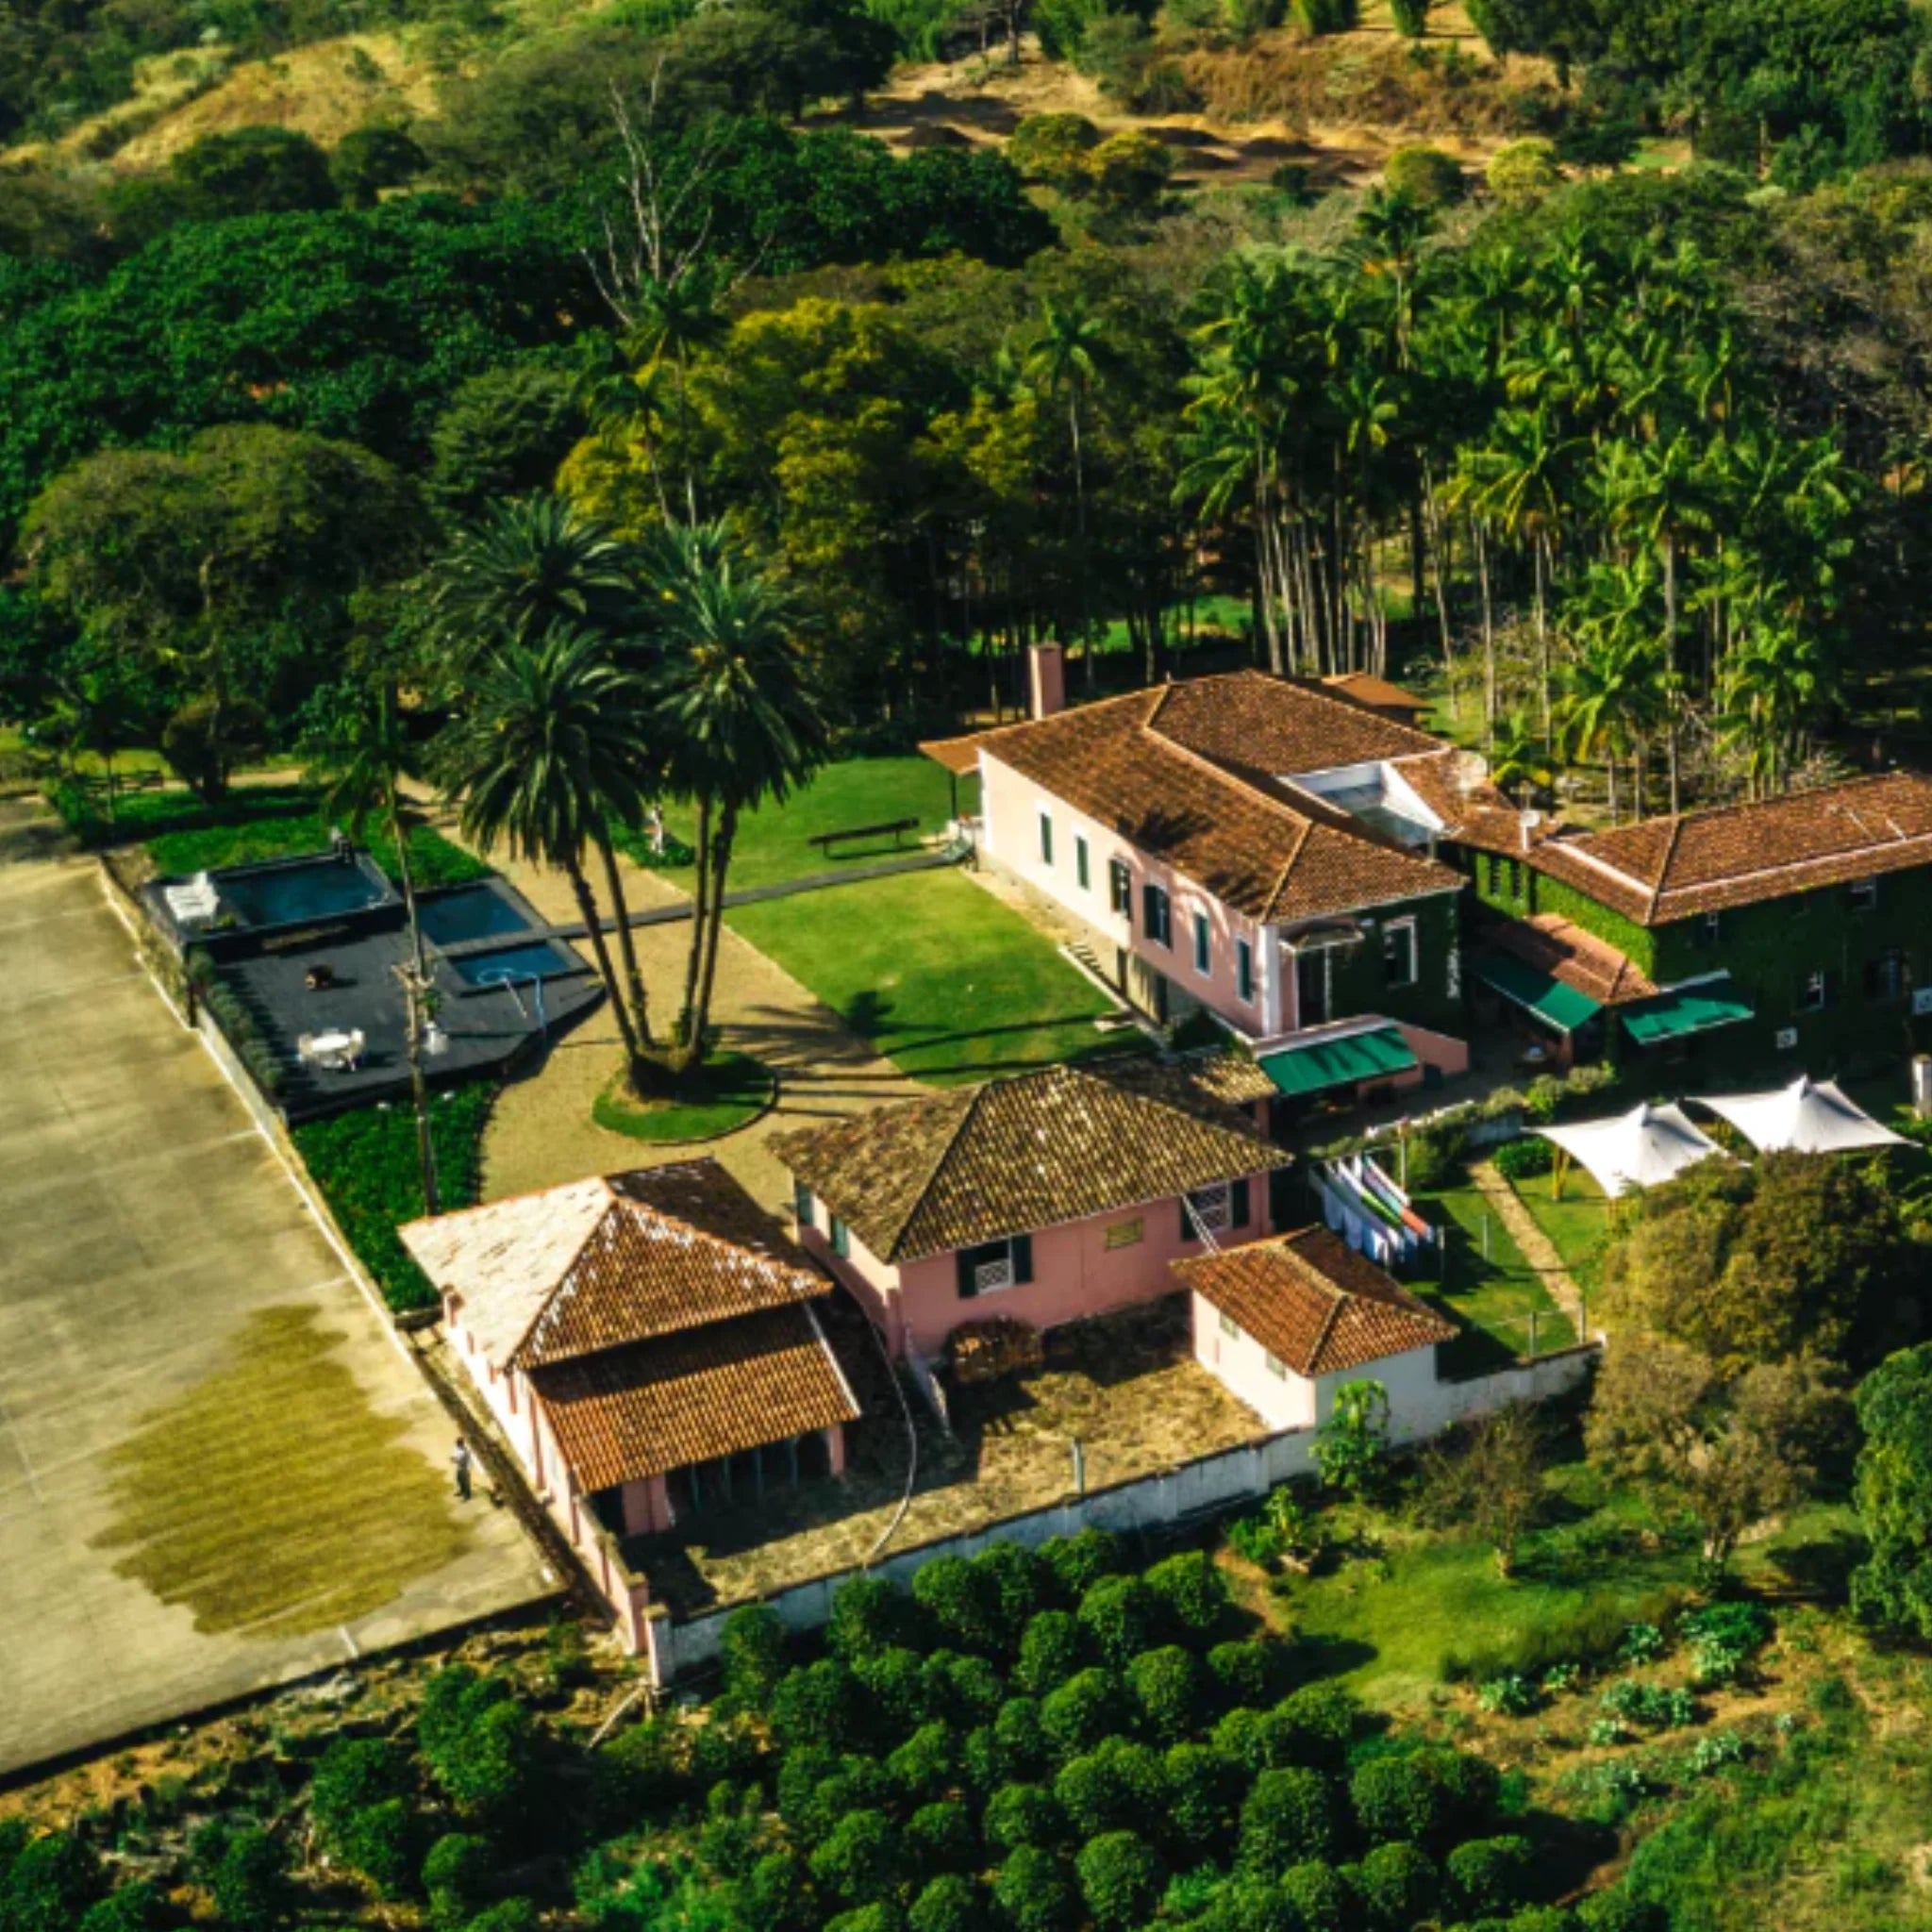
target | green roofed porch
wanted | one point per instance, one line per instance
(1538, 992)
(1696, 1006)
(1321, 1065)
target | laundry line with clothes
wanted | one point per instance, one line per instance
(1372, 1214)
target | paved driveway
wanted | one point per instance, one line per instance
(217, 1472)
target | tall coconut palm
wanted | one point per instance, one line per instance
(527, 564)
(737, 708)
(552, 749)
(1066, 360)
(1612, 686)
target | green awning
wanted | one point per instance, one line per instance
(1533, 990)
(1685, 1009)
(1323, 1064)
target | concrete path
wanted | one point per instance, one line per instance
(1537, 1248)
(217, 1469)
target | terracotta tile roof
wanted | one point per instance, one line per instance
(1017, 1154)
(1376, 693)
(1192, 773)
(1280, 724)
(1660, 869)
(637, 1412)
(1578, 959)
(1210, 1082)
(1313, 1303)
(602, 1262)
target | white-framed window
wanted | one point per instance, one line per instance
(1083, 865)
(1120, 890)
(1244, 970)
(995, 1266)
(1229, 1326)
(1278, 1368)
(1813, 996)
(1865, 895)
(1204, 945)
(1713, 927)
(1045, 835)
(1400, 966)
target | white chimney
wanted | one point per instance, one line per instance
(1046, 680)
(1526, 822)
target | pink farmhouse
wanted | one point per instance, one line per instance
(1043, 1198)
(1251, 846)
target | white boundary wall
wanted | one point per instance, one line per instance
(1197, 1489)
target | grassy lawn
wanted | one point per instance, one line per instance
(730, 1089)
(1487, 1285)
(936, 975)
(1578, 1226)
(773, 844)
(185, 834)
(1391, 1618)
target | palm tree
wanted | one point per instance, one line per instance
(1066, 359)
(358, 763)
(671, 320)
(737, 707)
(554, 748)
(1613, 683)
(525, 565)
(1525, 491)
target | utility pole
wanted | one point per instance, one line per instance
(424, 1036)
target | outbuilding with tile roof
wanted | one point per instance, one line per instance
(649, 1342)
(1283, 1323)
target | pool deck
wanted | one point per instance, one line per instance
(486, 1027)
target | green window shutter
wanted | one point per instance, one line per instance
(1237, 1205)
(802, 1203)
(1081, 871)
(1022, 1257)
(1204, 944)
(966, 1260)
(1244, 970)
(1187, 1233)
(842, 1239)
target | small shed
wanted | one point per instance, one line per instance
(1281, 1324)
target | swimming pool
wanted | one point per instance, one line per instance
(541, 959)
(469, 912)
(303, 890)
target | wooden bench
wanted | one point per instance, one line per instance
(896, 827)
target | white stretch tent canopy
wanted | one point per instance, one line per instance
(1640, 1149)
(1806, 1117)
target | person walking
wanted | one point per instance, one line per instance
(459, 1461)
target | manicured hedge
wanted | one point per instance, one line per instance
(366, 1165)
